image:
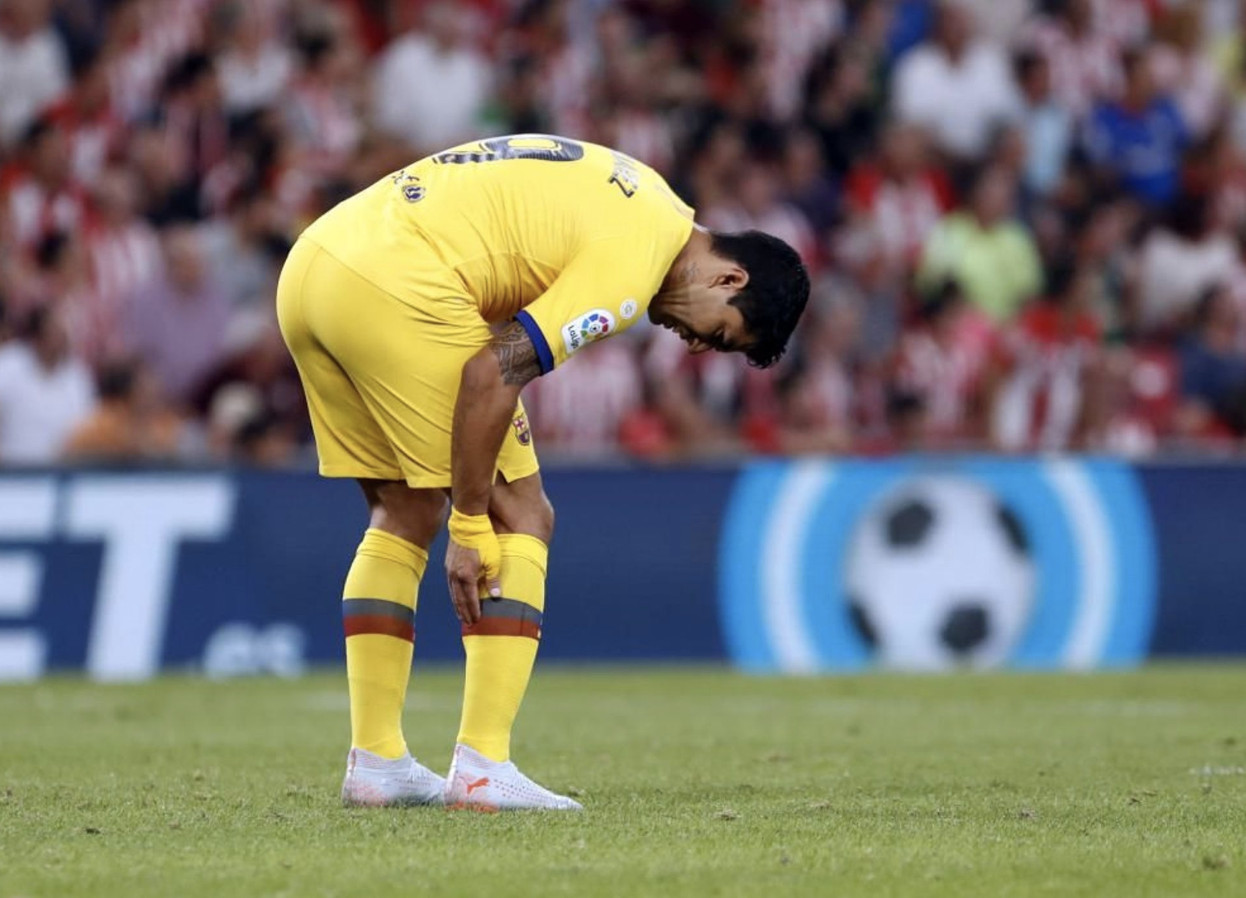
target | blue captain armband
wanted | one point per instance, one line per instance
(544, 357)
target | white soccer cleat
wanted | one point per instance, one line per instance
(476, 783)
(375, 782)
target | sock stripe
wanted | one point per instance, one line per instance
(360, 616)
(506, 617)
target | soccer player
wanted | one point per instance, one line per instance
(416, 311)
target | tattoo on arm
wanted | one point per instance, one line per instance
(515, 353)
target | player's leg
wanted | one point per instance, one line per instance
(501, 650)
(501, 647)
(378, 610)
(379, 606)
(378, 617)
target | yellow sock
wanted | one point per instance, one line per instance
(378, 616)
(501, 648)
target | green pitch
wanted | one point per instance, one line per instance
(696, 782)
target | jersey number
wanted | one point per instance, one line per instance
(525, 146)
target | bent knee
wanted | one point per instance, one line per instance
(532, 515)
(413, 515)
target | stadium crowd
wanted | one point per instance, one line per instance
(1026, 221)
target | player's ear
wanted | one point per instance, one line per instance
(732, 276)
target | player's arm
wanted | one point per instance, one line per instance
(488, 391)
(601, 290)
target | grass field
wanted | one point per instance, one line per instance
(696, 782)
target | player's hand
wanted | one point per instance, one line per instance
(473, 559)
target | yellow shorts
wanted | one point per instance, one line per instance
(381, 375)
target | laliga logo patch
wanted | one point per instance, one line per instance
(906, 564)
(593, 326)
(522, 433)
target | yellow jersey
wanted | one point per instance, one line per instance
(569, 238)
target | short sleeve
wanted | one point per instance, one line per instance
(605, 289)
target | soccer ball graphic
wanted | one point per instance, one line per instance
(595, 325)
(939, 575)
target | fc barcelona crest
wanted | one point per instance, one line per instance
(522, 433)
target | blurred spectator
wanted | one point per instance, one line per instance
(1213, 367)
(177, 324)
(841, 109)
(1183, 71)
(956, 85)
(263, 441)
(45, 391)
(245, 249)
(254, 68)
(628, 118)
(1139, 399)
(1101, 243)
(819, 398)
(1179, 261)
(757, 205)
(1046, 124)
(898, 196)
(34, 70)
(806, 183)
(431, 83)
(192, 119)
(1137, 141)
(130, 423)
(1082, 58)
(64, 279)
(715, 165)
(322, 106)
(1047, 368)
(986, 250)
(124, 255)
(41, 196)
(92, 127)
(793, 33)
(942, 361)
(142, 41)
(254, 359)
(1126, 22)
(169, 196)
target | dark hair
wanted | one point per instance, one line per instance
(36, 323)
(1025, 62)
(946, 296)
(1133, 58)
(51, 250)
(116, 379)
(1060, 277)
(1189, 214)
(902, 402)
(38, 129)
(185, 72)
(314, 47)
(254, 430)
(775, 295)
